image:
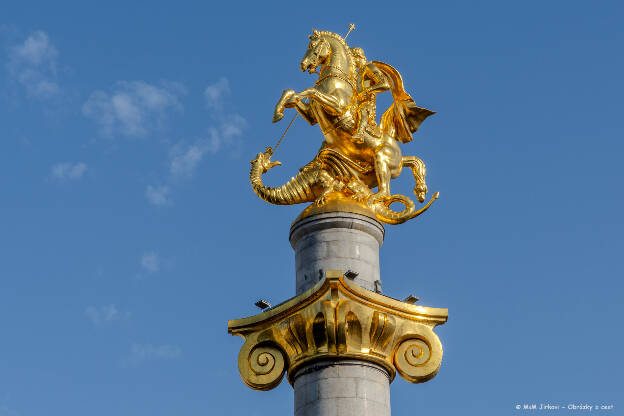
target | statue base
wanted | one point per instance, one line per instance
(336, 202)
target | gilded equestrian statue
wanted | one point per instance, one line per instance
(356, 154)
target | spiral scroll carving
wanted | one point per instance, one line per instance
(262, 366)
(418, 359)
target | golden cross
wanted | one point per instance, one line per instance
(351, 27)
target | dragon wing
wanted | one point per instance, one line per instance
(403, 117)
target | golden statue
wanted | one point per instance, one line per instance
(357, 154)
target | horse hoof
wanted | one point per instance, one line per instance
(277, 117)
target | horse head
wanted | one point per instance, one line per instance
(317, 54)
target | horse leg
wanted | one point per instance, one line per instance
(382, 171)
(387, 166)
(305, 111)
(419, 171)
(332, 104)
(278, 114)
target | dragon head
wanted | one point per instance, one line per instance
(264, 160)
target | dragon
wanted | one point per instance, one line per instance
(327, 174)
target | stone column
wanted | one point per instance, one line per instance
(350, 242)
(337, 241)
(338, 342)
(342, 388)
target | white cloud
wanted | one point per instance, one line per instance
(185, 162)
(214, 93)
(33, 64)
(133, 108)
(228, 132)
(184, 159)
(233, 126)
(158, 195)
(68, 171)
(36, 50)
(150, 262)
(143, 352)
(102, 315)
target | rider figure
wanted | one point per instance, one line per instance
(370, 81)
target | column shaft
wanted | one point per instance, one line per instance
(342, 388)
(337, 241)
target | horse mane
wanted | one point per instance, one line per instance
(344, 44)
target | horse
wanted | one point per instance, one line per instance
(332, 104)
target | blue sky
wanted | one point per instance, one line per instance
(129, 233)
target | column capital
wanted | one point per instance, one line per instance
(336, 319)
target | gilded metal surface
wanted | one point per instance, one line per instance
(337, 202)
(357, 153)
(338, 319)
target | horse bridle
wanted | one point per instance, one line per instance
(345, 77)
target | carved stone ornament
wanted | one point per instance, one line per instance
(338, 319)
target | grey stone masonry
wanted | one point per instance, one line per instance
(342, 388)
(337, 241)
(348, 242)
